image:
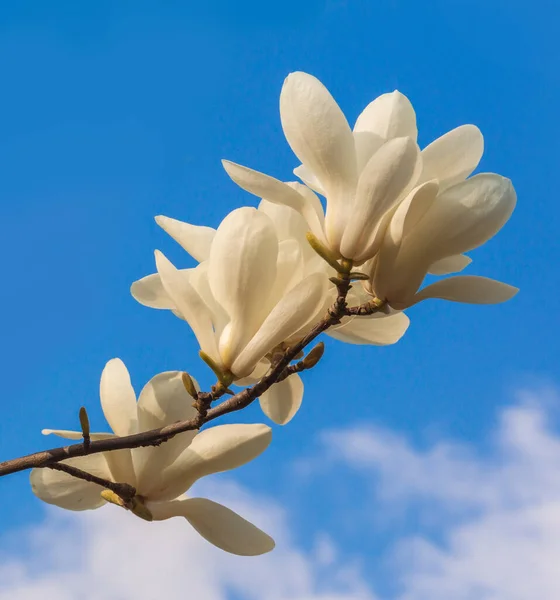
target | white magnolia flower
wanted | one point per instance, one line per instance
(431, 228)
(161, 474)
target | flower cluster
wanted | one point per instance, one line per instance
(266, 277)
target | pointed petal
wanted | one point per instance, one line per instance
(118, 399)
(389, 116)
(450, 264)
(195, 239)
(377, 331)
(217, 524)
(454, 156)
(214, 450)
(381, 184)
(278, 192)
(164, 400)
(189, 303)
(149, 291)
(61, 489)
(77, 435)
(318, 132)
(291, 313)
(468, 288)
(282, 401)
(241, 273)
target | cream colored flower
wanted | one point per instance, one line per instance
(161, 474)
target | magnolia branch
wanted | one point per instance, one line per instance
(280, 370)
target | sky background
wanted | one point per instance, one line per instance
(426, 470)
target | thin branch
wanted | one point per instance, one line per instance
(125, 491)
(155, 437)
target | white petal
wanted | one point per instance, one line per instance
(195, 239)
(164, 400)
(468, 288)
(389, 116)
(71, 493)
(214, 450)
(463, 217)
(379, 331)
(318, 132)
(278, 192)
(118, 399)
(454, 156)
(450, 264)
(282, 401)
(309, 179)
(381, 184)
(366, 144)
(149, 291)
(241, 272)
(291, 313)
(217, 524)
(189, 303)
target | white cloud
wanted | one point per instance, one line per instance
(115, 556)
(497, 514)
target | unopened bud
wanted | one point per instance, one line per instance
(84, 422)
(113, 498)
(314, 356)
(189, 385)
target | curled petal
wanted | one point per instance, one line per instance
(66, 491)
(118, 399)
(216, 524)
(450, 264)
(318, 132)
(149, 291)
(291, 313)
(195, 239)
(309, 179)
(213, 450)
(389, 116)
(384, 179)
(282, 400)
(376, 331)
(468, 288)
(454, 156)
(241, 273)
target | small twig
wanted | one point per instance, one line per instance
(125, 491)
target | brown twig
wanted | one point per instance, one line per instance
(155, 437)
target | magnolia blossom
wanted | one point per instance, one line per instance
(431, 228)
(161, 474)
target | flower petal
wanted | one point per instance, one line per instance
(450, 264)
(291, 313)
(282, 401)
(468, 288)
(189, 303)
(389, 116)
(376, 331)
(213, 450)
(71, 493)
(195, 239)
(217, 524)
(318, 132)
(149, 291)
(241, 273)
(309, 179)
(164, 400)
(278, 192)
(383, 180)
(454, 156)
(118, 399)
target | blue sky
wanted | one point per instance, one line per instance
(112, 113)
